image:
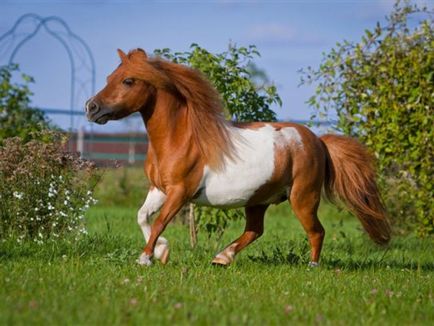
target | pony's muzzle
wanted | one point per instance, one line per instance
(92, 107)
(96, 113)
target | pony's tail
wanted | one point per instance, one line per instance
(350, 176)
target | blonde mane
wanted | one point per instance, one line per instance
(205, 113)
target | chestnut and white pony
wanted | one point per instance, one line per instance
(195, 155)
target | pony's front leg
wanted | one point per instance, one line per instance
(174, 201)
(154, 200)
(254, 229)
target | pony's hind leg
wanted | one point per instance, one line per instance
(305, 201)
(154, 200)
(253, 230)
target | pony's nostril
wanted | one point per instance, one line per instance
(92, 106)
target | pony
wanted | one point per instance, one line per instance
(196, 155)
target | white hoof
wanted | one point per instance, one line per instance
(161, 252)
(313, 264)
(144, 260)
(222, 259)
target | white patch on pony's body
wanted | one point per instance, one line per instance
(288, 135)
(252, 166)
(154, 200)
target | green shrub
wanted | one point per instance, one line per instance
(382, 89)
(17, 118)
(44, 190)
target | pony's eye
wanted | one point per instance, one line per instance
(128, 81)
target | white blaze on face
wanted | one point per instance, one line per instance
(252, 167)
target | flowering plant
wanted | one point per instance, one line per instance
(44, 190)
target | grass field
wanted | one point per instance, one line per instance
(97, 282)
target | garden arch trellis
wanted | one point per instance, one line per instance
(82, 63)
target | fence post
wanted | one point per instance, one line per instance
(80, 142)
(131, 152)
(192, 224)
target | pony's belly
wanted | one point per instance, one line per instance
(235, 198)
(229, 197)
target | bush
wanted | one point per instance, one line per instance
(44, 190)
(17, 118)
(382, 89)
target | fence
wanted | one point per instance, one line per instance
(105, 149)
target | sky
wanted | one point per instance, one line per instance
(289, 35)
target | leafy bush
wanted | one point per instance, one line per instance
(382, 89)
(237, 79)
(44, 190)
(17, 118)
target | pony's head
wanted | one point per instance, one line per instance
(131, 87)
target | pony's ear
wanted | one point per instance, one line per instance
(122, 55)
(142, 52)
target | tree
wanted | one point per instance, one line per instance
(246, 93)
(382, 90)
(17, 118)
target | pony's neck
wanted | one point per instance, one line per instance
(165, 121)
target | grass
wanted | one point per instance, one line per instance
(97, 282)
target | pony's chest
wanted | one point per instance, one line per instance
(251, 168)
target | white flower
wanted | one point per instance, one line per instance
(18, 195)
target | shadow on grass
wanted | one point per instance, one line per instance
(297, 255)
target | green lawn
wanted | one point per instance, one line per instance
(97, 282)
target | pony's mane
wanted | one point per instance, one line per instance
(205, 113)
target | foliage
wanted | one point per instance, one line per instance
(44, 190)
(247, 96)
(17, 118)
(382, 89)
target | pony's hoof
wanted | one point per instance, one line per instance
(144, 260)
(165, 256)
(221, 260)
(313, 264)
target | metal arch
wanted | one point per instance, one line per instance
(66, 42)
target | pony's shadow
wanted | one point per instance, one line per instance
(294, 258)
